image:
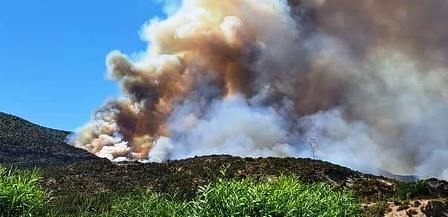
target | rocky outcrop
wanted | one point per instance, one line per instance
(436, 208)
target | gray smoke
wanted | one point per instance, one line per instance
(364, 80)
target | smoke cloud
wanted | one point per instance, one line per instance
(366, 81)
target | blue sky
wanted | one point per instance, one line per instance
(52, 67)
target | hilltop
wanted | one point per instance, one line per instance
(25, 145)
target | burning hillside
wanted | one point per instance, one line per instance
(363, 81)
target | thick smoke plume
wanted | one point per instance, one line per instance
(362, 83)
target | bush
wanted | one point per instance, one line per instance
(375, 210)
(20, 194)
(149, 204)
(285, 196)
(83, 204)
(406, 191)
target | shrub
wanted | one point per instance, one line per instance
(20, 194)
(285, 196)
(406, 191)
(148, 203)
(82, 204)
(375, 210)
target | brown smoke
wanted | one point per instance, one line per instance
(366, 79)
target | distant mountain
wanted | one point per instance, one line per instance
(25, 145)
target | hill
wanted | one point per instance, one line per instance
(71, 174)
(183, 178)
(24, 144)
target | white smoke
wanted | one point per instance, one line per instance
(230, 126)
(162, 150)
(348, 143)
(261, 77)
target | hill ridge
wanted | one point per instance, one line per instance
(24, 144)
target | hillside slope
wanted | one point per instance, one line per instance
(183, 177)
(24, 144)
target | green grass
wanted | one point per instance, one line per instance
(20, 194)
(283, 196)
(149, 204)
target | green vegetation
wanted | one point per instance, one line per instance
(428, 188)
(20, 194)
(375, 210)
(405, 191)
(183, 178)
(283, 196)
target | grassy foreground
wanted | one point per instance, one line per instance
(20, 195)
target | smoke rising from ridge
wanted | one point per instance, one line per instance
(366, 79)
